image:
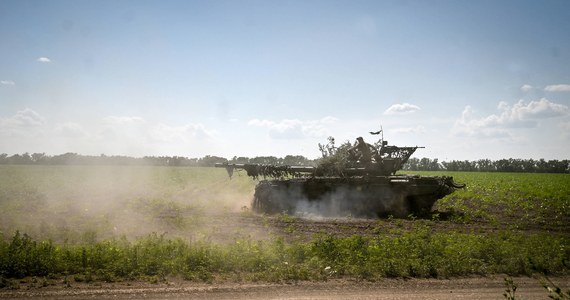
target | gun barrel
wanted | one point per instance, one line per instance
(304, 169)
(255, 170)
(225, 165)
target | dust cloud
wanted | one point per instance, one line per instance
(90, 203)
(343, 201)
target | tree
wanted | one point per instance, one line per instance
(38, 158)
(239, 160)
(485, 165)
(295, 160)
(210, 161)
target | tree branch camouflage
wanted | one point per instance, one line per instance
(339, 161)
(265, 171)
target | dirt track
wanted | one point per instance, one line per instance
(306, 227)
(468, 288)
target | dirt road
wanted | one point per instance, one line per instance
(467, 288)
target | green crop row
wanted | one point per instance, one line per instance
(419, 253)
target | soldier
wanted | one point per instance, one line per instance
(363, 150)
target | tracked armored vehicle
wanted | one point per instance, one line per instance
(350, 180)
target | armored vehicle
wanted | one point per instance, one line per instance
(357, 180)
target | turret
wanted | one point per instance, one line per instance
(380, 159)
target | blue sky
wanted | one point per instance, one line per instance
(465, 79)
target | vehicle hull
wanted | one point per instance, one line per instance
(377, 196)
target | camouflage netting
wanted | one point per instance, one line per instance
(255, 170)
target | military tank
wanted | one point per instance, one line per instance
(357, 180)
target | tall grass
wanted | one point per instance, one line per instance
(419, 253)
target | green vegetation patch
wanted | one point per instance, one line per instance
(420, 253)
(520, 199)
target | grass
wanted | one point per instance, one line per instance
(96, 223)
(522, 199)
(71, 203)
(427, 255)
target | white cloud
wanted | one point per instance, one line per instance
(23, 118)
(520, 115)
(417, 129)
(134, 135)
(130, 130)
(558, 88)
(536, 110)
(123, 120)
(134, 126)
(43, 59)
(28, 131)
(71, 130)
(328, 120)
(295, 129)
(7, 82)
(403, 108)
(526, 88)
(24, 123)
(467, 125)
(184, 133)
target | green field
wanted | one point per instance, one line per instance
(517, 199)
(92, 223)
(69, 203)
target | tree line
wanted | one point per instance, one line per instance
(487, 165)
(175, 161)
(413, 164)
